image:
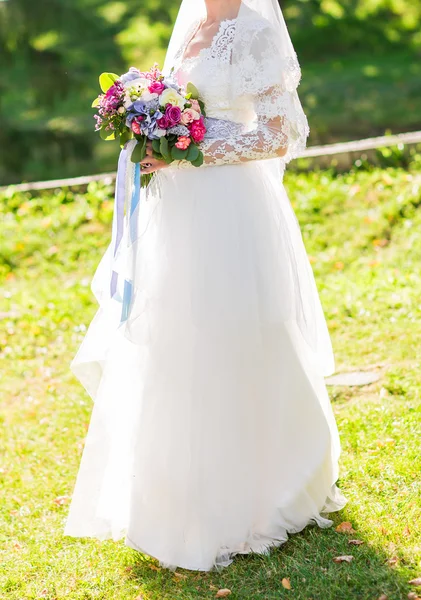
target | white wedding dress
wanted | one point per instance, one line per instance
(212, 432)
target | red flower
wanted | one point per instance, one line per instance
(163, 122)
(157, 87)
(136, 127)
(198, 130)
(183, 142)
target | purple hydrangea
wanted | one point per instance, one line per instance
(131, 75)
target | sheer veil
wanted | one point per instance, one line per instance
(262, 58)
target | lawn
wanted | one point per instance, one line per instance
(362, 231)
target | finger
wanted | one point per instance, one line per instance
(154, 167)
(147, 170)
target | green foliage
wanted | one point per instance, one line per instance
(139, 151)
(360, 60)
(164, 149)
(198, 162)
(106, 80)
(193, 91)
(177, 154)
(362, 234)
(193, 153)
(339, 27)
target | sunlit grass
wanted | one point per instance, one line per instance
(362, 232)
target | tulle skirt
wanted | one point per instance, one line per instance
(212, 432)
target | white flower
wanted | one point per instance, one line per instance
(121, 110)
(127, 100)
(171, 96)
(138, 84)
(160, 132)
(147, 96)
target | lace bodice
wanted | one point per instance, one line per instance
(266, 120)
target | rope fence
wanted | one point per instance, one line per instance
(413, 137)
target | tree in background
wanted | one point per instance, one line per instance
(51, 54)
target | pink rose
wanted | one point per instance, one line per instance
(173, 113)
(163, 122)
(183, 142)
(189, 115)
(136, 127)
(156, 87)
(195, 105)
(198, 130)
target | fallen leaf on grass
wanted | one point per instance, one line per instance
(139, 597)
(223, 593)
(286, 583)
(61, 500)
(416, 581)
(413, 596)
(345, 558)
(386, 442)
(380, 243)
(392, 561)
(154, 568)
(383, 597)
(345, 527)
(180, 575)
(355, 542)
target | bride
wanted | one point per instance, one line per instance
(212, 432)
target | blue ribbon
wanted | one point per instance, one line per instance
(126, 201)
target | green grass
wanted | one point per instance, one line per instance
(362, 231)
(360, 95)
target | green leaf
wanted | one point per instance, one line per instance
(139, 152)
(199, 160)
(106, 135)
(125, 137)
(192, 152)
(202, 107)
(106, 80)
(191, 89)
(178, 154)
(156, 145)
(95, 103)
(163, 147)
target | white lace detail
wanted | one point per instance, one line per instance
(266, 120)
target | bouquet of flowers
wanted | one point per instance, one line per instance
(149, 106)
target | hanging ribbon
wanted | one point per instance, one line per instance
(127, 197)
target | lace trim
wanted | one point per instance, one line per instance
(267, 81)
(219, 47)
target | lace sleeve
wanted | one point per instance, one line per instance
(269, 137)
(279, 128)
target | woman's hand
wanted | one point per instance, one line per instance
(150, 164)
